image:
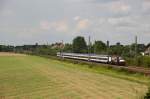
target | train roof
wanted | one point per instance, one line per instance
(81, 54)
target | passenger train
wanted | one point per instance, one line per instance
(107, 59)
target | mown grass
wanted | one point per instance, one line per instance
(35, 77)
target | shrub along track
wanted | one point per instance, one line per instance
(32, 77)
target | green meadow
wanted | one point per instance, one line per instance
(33, 77)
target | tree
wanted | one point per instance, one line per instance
(137, 48)
(127, 51)
(148, 45)
(116, 49)
(141, 48)
(8, 48)
(79, 45)
(67, 48)
(99, 47)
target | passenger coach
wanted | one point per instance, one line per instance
(107, 59)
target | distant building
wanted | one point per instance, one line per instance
(57, 45)
(147, 51)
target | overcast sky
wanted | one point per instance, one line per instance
(42, 21)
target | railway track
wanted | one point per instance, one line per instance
(134, 69)
(143, 70)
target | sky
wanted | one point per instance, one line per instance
(48, 21)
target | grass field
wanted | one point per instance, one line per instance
(32, 77)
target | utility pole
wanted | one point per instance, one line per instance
(107, 47)
(94, 49)
(130, 46)
(62, 47)
(47, 43)
(135, 46)
(108, 50)
(89, 48)
(14, 49)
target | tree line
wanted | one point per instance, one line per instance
(79, 45)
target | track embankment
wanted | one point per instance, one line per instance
(143, 70)
(133, 69)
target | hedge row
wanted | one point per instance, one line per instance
(143, 61)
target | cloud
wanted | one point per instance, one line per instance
(119, 7)
(2, 2)
(6, 12)
(76, 18)
(115, 8)
(83, 24)
(122, 21)
(146, 6)
(45, 25)
(90, 1)
(80, 23)
(66, 25)
(59, 26)
(103, 1)
(102, 19)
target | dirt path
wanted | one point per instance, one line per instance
(10, 54)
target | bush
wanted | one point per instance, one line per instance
(147, 95)
(147, 61)
(143, 61)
